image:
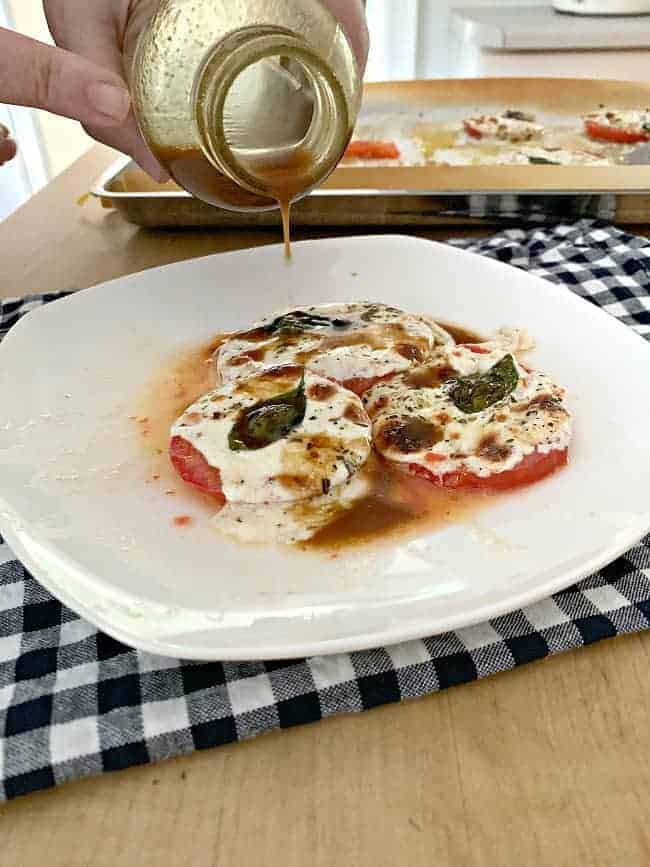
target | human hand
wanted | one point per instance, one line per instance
(7, 145)
(84, 78)
(352, 15)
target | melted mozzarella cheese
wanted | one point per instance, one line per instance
(348, 362)
(532, 418)
(374, 341)
(559, 156)
(478, 155)
(288, 523)
(321, 453)
(464, 359)
(470, 358)
(503, 128)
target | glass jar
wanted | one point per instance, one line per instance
(247, 103)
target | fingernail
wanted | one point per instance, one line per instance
(160, 176)
(156, 173)
(147, 161)
(8, 150)
(111, 101)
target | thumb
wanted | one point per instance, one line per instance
(7, 145)
(41, 76)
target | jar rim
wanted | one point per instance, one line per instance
(222, 66)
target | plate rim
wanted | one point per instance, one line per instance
(364, 641)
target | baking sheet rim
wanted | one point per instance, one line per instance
(100, 189)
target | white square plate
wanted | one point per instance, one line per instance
(75, 507)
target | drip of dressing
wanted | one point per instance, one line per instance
(286, 177)
(285, 211)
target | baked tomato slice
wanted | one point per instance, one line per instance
(193, 468)
(471, 130)
(360, 384)
(373, 150)
(476, 348)
(609, 133)
(531, 469)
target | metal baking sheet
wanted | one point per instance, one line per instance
(433, 195)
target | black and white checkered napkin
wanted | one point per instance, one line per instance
(75, 702)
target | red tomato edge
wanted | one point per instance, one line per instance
(532, 468)
(476, 348)
(472, 130)
(361, 384)
(193, 468)
(602, 132)
(377, 150)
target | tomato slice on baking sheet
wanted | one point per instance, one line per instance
(472, 130)
(373, 150)
(609, 133)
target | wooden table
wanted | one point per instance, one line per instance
(548, 764)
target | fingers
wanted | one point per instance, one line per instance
(352, 16)
(93, 33)
(8, 147)
(127, 139)
(40, 76)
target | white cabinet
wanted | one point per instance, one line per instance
(535, 40)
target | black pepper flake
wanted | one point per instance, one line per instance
(326, 485)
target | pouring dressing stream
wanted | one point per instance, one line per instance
(249, 104)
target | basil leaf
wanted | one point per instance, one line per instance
(370, 313)
(298, 321)
(375, 309)
(269, 420)
(541, 161)
(516, 114)
(478, 392)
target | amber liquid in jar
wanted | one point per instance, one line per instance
(284, 179)
(249, 104)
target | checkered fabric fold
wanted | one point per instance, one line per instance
(75, 702)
